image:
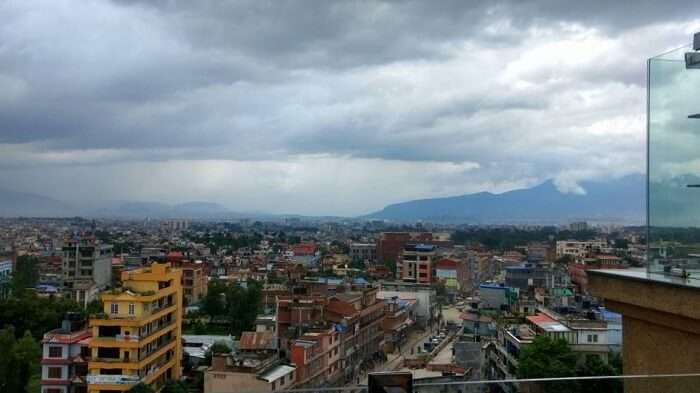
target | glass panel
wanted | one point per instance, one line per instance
(674, 166)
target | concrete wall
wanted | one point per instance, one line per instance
(661, 328)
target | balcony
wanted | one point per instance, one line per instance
(113, 379)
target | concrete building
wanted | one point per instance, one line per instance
(5, 278)
(577, 249)
(194, 281)
(248, 372)
(425, 308)
(417, 263)
(366, 252)
(87, 268)
(529, 275)
(316, 355)
(65, 356)
(138, 338)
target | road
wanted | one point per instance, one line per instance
(395, 361)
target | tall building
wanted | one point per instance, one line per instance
(87, 268)
(138, 338)
(416, 263)
(65, 354)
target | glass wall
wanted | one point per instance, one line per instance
(673, 166)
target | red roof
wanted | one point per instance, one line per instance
(540, 318)
(304, 249)
(446, 264)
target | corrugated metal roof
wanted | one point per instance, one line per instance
(251, 341)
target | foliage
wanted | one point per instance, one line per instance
(26, 274)
(141, 388)
(507, 238)
(26, 311)
(548, 358)
(228, 240)
(172, 386)
(236, 305)
(19, 365)
(218, 348)
(593, 366)
(94, 307)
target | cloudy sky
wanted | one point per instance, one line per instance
(323, 107)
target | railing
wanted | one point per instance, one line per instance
(113, 379)
(599, 384)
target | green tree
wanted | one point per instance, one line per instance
(213, 304)
(94, 307)
(8, 380)
(172, 386)
(548, 358)
(26, 274)
(141, 388)
(26, 354)
(592, 367)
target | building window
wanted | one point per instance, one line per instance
(55, 352)
(273, 385)
(55, 372)
(132, 310)
(592, 338)
(52, 390)
(114, 308)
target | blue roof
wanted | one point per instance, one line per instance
(360, 281)
(426, 247)
(493, 286)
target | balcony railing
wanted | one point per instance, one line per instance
(113, 379)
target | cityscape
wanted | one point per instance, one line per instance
(256, 196)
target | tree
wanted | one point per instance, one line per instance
(213, 304)
(548, 358)
(172, 386)
(8, 381)
(26, 274)
(26, 354)
(217, 348)
(592, 367)
(141, 388)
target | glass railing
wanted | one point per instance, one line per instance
(455, 384)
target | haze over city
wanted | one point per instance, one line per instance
(336, 109)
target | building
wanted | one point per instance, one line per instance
(425, 307)
(5, 278)
(416, 263)
(255, 367)
(496, 297)
(65, 356)
(578, 268)
(194, 281)
(366, 252)
(446, 271)
(87, 268)
(577, 249)
(138, 338)
(248, 372)
(529, 275)
(316, 355)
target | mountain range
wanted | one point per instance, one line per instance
(619, 201)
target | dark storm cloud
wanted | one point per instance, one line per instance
(516, 90)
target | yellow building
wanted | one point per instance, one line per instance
(138, 337)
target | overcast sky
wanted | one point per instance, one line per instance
(323, 107)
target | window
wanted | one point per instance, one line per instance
(132, 309)
(592, 338)
(55, 372)
(55, 352)
(114, 308)
(52, 390)
(273, 385)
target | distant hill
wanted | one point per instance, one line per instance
(620, 200)
(22, 204)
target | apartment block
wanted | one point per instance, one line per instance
(138, 338)
(417, 263)
(87, 267)
(65, 356)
